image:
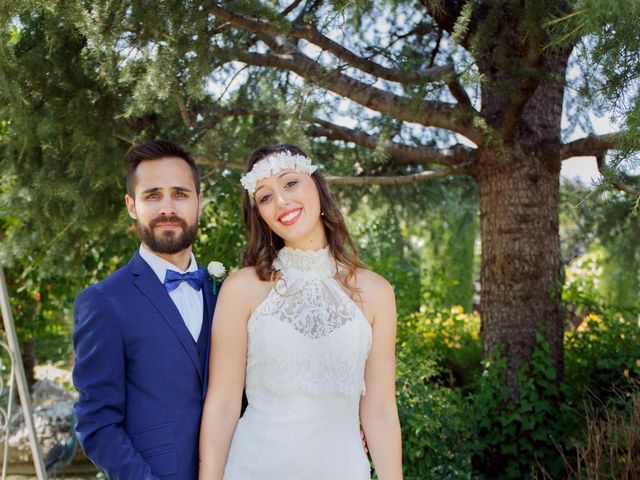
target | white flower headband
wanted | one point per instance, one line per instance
(272, 165)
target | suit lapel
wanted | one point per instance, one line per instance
(209, 299)
(147, 282)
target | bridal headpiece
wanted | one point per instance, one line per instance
(271, 165)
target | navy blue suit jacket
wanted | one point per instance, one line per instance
(140, 379)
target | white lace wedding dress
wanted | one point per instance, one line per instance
(307, 348)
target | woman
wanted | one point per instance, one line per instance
(304, 327)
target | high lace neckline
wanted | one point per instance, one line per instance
(315, 263)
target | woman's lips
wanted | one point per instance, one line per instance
(290, 217)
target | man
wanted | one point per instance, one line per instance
(142, 335)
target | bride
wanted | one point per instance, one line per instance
(309, 332)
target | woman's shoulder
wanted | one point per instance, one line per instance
(377, 296)
(245, 274)
(371, 282)
(245, 283)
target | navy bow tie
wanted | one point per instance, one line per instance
(173, 279)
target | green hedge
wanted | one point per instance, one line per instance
(459, 420)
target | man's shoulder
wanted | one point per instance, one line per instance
(117, 280)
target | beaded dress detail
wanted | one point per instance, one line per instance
(308, 343)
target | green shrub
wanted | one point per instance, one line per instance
(460, 421)
(581, 290)
(435, 420)
(435, 432)
(452, 338)
(602, 355)
(515, 433)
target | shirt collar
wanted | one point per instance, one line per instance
(160, 265)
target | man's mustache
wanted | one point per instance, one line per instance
(168, 219)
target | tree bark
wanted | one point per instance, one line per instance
(521, 270)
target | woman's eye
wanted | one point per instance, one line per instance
(290, 183)
(264, 198)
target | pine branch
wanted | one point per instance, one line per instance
(401, 179)
(309, 33)
(184, 112)
(623, 187)
(291, 8)
(428, 112)
(593, 145)
(597, 146)
(401, 153)
(459, 93)
(461, 169)
(608, 173)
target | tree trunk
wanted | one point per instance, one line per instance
(521, 271)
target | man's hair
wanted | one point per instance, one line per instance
(155, 150)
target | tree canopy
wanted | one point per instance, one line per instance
(382, 93)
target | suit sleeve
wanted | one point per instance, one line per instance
(99, 376)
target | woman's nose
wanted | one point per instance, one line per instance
(281, 197)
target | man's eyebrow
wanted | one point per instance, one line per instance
(178, 188)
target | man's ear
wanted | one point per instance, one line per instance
(131, 206)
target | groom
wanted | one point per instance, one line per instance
(142, 335)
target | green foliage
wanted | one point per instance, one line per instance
(607, 33)
(435, 420)
(516, 431)
(582, 290)
(480, 429)
(383, 248)
(81, 80)
(448, 254)
(602, 355)
(435, 430)
(613, 26)
(222, 233)
(59, 147)
(421, 238)
(601, 235)
(451, 338)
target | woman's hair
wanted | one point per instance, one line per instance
(264, 244)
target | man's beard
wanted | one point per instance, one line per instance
(168, 242)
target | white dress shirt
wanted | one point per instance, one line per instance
(188, 301)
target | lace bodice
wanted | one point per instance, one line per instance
(308, 343)
(308, 334)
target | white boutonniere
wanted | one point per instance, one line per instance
(216, 271)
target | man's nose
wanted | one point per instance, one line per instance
(167, 207)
